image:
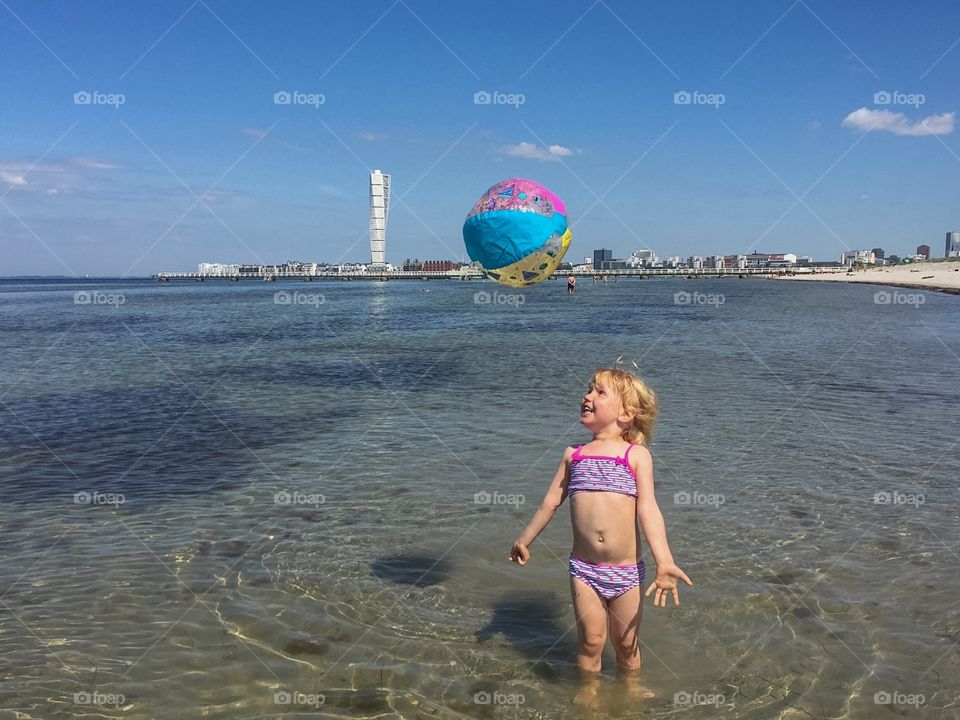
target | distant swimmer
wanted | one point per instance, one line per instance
(571, 284)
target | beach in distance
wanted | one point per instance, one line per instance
(941, 276)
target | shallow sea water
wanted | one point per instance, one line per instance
(214, 503)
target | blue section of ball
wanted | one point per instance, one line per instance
(498, 238)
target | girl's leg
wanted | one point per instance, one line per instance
(591, 615)
(625, 614)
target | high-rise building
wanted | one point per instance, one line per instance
(379, 209)
(953, 244)
(858, 257)
(642, 258)
(878, 252)
(924, 250)
(600, 258)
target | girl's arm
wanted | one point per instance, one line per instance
(556, 494)
(651, 522)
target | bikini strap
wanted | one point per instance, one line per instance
(576, 454)
(626, 455)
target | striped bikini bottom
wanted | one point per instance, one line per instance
(610, 581)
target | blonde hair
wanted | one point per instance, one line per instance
(636, 398)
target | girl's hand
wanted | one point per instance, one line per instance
(519, 553)
(666, 581)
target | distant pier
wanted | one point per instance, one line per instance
(471, 274)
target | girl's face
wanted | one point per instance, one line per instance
(600, 407)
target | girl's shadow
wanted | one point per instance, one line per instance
(535, 624)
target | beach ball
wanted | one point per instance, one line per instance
(518, 232)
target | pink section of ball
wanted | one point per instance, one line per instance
(558, 204)
(493, 200)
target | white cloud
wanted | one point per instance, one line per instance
(332, 192)
(867, 120)
(370, 136)
(95, 164)
(11, 179)
(62, 174)
(535, 152)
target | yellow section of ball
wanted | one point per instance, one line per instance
(535, 267)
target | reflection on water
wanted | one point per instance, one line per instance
(218, 505)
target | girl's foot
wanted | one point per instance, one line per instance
(634, 686)
(588, 696)
(636, 689)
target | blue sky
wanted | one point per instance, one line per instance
(784, 148)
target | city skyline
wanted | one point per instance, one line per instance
(239, 133)
(379, 207)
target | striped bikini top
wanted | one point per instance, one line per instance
(601, 473)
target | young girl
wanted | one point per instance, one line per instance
(610, 485)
